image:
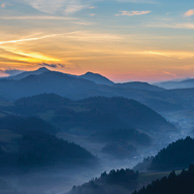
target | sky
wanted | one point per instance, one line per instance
(125, 40)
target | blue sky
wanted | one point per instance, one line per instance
(123, 39)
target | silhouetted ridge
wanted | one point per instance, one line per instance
(173, 184)
(117, 181)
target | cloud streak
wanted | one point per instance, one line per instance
(27, 39)
(132, 13)
(41, 17)
(59, 6)
(187, 26)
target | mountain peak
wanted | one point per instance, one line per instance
(42, 69)
(27, 73)
(97, 78)
(91, 73)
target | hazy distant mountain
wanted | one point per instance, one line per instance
(175, 156)
(93, 113)
(120, 150)
(27, 73)
(132, 135)
(140, 86)
(97, 78)
(177, 84)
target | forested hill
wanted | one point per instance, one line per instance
(175, 156)
(92, 113)
(173, 184)
(117, 181)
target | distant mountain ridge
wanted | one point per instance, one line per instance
(94, 77)
(88, 85)
(97, 78)
(177, 84)
(140, 85)
(28, 73)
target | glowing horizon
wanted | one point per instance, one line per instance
(125, 40)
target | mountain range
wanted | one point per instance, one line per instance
(88, 85)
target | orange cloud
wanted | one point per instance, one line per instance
(189, 13)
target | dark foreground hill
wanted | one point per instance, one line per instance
(36, 150)
(120, 181)
(30, 143)
(116, 182)
(22, 125)
(176, 156)
(174, 184)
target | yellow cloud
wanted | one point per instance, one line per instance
(31, 57)
(27, 39)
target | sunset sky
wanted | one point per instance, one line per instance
(146, 40)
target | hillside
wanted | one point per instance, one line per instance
(117, 181)
(24, 124)
(25, 143)
(93, 113)
(179, 184)
(175, 156)
(123, 181)
(35, 150)
(98, 120)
